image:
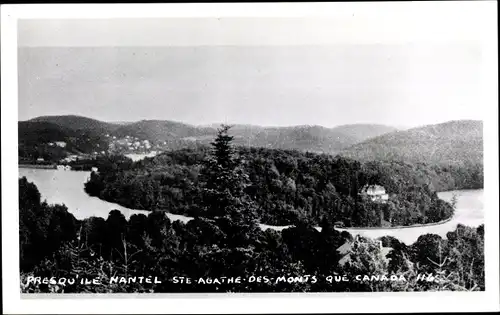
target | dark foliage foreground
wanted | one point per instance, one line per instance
(224, 250)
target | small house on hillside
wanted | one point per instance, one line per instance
(374, 193)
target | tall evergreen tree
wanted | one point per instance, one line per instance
(224, 182)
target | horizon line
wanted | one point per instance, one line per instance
(211, 124)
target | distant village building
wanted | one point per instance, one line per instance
(40, 160)
(374, 193)
(61, 144)
(95, 169)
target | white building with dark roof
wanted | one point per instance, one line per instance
(374, 193)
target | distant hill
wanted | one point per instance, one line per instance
(178, 135)
(37, 132)
(35, 138)
(304, 138)
(121, 122)
(450, 143)
(307, 138)
(361, 132)
(78, 123)
(454, 142)
(162, 130)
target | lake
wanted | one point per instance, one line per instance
(66, 187)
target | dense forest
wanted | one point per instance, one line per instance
(177, 135)
(298, 259)
(457, 143)
(223, 249)
(287, 186)
(35, 138)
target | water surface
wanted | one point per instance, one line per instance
(66, 187)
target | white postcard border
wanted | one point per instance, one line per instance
(243, 303)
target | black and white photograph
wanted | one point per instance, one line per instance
(229, 153)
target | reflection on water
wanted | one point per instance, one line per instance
(66, 187)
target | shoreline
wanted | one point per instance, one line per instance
(282, 227)
(263, 225)
(39, 166)
(48, 167)
(397, 227)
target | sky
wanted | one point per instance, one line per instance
(263, 71)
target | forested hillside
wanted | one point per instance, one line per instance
(224, 241)
(162, 130)
(362, 132)
(288, 186)
(174, 135)
(298, 259)
(37, 139)
(454, 143)
(303, 138)
(78, 123)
